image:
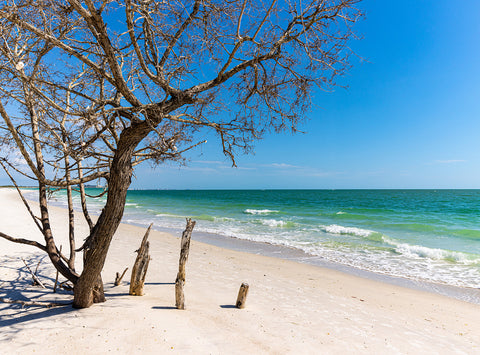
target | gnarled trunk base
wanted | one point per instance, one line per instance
(85, 295)
(98, 292)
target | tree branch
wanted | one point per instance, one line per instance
(24, 241)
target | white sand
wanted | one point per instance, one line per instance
(291, 307)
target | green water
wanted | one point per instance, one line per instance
(426, 235)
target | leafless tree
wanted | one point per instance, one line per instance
(90, 89)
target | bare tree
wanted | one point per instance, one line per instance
(90, 89)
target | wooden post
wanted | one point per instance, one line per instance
(139, 270)
(242, 296)
(180, 281)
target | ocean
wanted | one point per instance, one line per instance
(426, 236)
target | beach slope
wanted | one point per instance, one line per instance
(291, 307)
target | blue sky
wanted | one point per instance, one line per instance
(409, 119)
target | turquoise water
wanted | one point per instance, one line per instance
(423, 235)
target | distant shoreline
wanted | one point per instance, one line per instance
(275, 189)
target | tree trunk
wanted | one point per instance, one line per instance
(99, 240)
(89, 287)
(98, 292)
(119, 180)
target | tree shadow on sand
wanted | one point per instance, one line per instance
(20, 288)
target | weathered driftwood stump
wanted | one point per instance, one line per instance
(139, 270)
(242, 296)
(180, 281)
(118, 277)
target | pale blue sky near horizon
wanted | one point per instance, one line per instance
(410, 117)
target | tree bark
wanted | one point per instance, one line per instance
(98, 292)
(99, 240)
(180, 281)
(140, 267)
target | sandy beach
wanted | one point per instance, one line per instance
(291, 307)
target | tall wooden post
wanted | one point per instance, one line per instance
(180, 281)
(139, 270)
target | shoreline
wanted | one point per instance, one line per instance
(467, 294)
(292, 307)
(458, 290)
(471, 295)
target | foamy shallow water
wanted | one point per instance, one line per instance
(420, 235)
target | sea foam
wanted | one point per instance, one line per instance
(261, 212)
(276, 223)
(336, 229)
(419, 251)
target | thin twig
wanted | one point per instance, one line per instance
(36, 280)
